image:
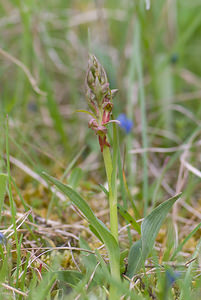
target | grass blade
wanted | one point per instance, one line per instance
(78, 201)
(129, 218)
(152, 223)
(3, 184)
(179, 248)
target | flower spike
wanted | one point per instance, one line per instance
(99, 97)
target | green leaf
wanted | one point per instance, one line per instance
(53, 108)
(75, 177)
(56, 118)
(89, 260)
(179, 248)
(123, 255)
(92, 265)
(72, 277)
(3, 183)
(86, 112)
(43, 289)
(149, 230)
(103, 265)
(129, 218)
(134, 259)
(102, 230)
(105, 191)
(152, 223)
(95, 232)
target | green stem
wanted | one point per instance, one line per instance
(11, 200)
(111, 177)
(139, 70)
(115, 273)
(112, 192)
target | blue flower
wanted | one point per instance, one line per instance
(2, 239)
(125, 123)
(171, 277)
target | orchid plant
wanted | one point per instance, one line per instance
(99, 97)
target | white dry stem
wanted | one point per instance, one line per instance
(188, 96)
(92, 276)
(25, 218)
(183, 173)
(186, 112)
(91, 16)
(72, 256)
(164, 184)
(165, 150)
(22, 66)
(11, 288)
(191, 168)
(22, 216)
(190, 77)
(148, 4)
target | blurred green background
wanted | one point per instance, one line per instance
(152, 56)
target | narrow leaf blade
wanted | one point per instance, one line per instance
(179, 248)
(3, 183)
(149, 230)
(103, 231)
(134, 259)
(71, 277)
(152, 223)
(129, 218)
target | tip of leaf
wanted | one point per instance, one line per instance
(3, 174)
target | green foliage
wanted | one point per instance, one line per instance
(3, 183)
(129, 218)
(187, 238)
(43, 290)
(79, 202)
(75, 177)
(71, 277)
(149, 230)
(153, 58)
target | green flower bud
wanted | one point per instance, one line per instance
(96, 80)
(90, 78)
(105, 89)
(99, 97)
(103, 77)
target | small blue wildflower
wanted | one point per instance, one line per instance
(174, 58)
(2, 239)
(171, 277)
(125, 123)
